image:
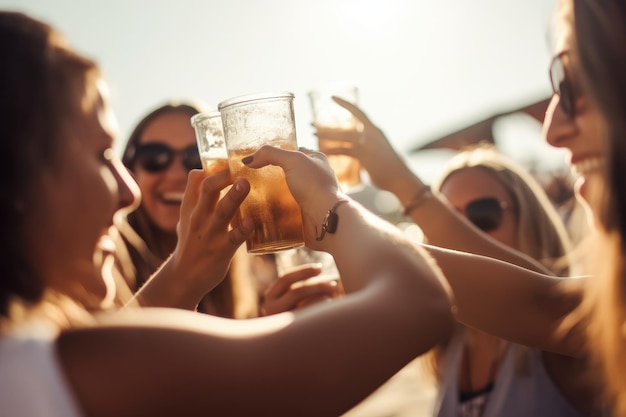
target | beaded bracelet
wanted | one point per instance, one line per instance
(422, 196)
(329, 225)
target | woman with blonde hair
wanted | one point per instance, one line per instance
(479, 374)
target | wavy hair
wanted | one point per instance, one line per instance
(43, 86)
(541, 233)
(599, 25)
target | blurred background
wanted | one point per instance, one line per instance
(431, 74)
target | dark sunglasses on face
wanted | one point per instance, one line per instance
(486, 213)
(157, 157)
(562, 84)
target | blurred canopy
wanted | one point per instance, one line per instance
(481, 131)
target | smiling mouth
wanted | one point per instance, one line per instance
(588, 166)
(172, 197)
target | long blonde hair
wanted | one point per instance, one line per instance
(541, 233)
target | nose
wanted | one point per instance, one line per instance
(557, 126)
(128, 190)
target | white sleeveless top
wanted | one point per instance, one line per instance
(530, 394)
(32, 383)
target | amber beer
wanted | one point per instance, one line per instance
(347, 169)
(250, 122)
(275, 214)
(330, 116)
(210, 139)
(213, 164)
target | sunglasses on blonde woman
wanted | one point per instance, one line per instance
(485, 213)
(562, 84)
(157, 157)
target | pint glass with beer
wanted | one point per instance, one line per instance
(250, 122)
(328, 116)
(211, 144)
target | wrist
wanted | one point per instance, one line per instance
(421, 196)
(179, 287)
(331, 220)
(319, 221)
(405, 186)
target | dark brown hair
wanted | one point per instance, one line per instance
(170, 107)
(140, 233)
(232, 297)
(43, 85)
(600, 28)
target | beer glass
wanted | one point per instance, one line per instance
(250, 122)
(330, 116)
(211, 144)
(287, 261)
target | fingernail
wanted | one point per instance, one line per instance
(247, 159)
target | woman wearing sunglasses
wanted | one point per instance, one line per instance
(160, 152)
(523, 305)
(62, 188)
(528, 305)
(479, 374)
(595, 63)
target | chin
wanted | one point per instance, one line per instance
(587, 191)
(109, 289)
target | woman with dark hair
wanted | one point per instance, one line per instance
(595, 83)
(62, 187)
(160, 152)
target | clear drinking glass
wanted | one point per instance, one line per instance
(330, 116)
(250, 122)
(211, 143)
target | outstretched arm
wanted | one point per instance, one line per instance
(318, 361)
(439, 221)
(515, 303)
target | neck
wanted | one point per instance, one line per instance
(480, 362)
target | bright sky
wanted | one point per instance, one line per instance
(424, 68)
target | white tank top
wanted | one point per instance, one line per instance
(32, 383)
(530, 394)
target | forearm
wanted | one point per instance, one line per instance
(371, 253)
(443, 226)
(168, 288)
(513, 303)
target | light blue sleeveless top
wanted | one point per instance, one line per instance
(530, 394)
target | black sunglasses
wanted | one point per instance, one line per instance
(562, 85)
(486, 213)
(157, 157)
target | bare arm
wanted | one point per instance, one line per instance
(315, 362)
(439, 221)
(515, 303)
